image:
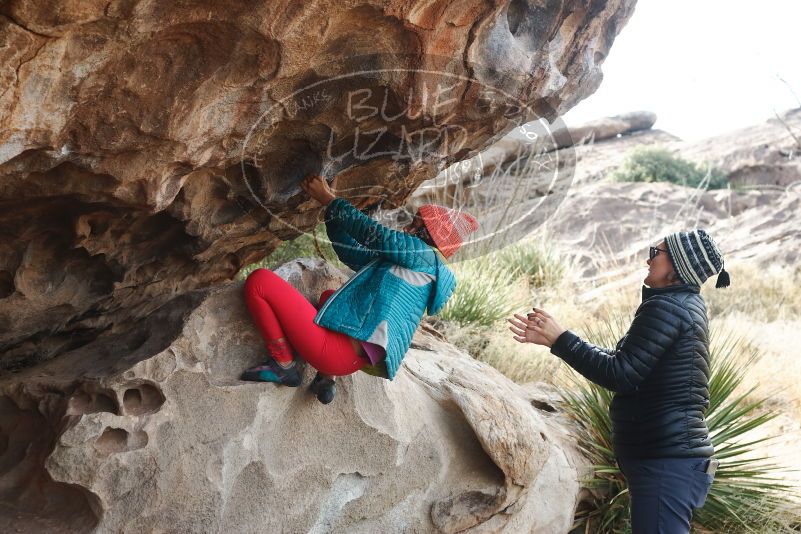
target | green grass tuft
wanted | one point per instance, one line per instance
(541, 265)
(648, 164)
(484, 292)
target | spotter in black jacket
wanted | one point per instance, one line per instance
(659, 372)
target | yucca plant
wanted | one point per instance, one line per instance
(541, 265)
(588, 405)
(484, 292)
(746, 495)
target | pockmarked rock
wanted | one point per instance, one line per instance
(152, 430)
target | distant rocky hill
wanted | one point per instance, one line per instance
(757, 219)
(605, 223)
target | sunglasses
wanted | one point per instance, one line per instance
(653, 251)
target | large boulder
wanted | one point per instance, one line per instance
(152, 431)
(617, 125)
(761, 156)
(151, 148)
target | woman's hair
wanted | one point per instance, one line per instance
(423, 234)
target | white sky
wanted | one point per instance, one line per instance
(703, 66)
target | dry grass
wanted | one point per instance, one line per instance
(762, 306)
(522, 363)
(764, 295)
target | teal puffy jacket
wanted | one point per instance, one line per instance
(398, 277)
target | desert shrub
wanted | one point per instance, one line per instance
(540, 264)
(489, 290)
(649, 164)
(747, 494)
(307, 245)
(485, 292)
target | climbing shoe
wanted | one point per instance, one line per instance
(324, 388)
(272, 371)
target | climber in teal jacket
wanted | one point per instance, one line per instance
(368, 323)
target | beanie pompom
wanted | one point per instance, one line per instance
(723, 279)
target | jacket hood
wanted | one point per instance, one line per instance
(443, 287)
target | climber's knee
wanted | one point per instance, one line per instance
(258, 279)
(324, 296)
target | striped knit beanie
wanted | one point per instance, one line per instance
(447, 227)
(696, 257)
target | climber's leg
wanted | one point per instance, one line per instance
(324, 296)
(279, 310)
(349, 360)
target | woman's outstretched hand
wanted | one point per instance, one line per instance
(317, 188)
(537, 327)
(522, 333)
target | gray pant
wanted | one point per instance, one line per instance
(664, 492)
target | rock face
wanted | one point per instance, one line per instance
(762, 156)
(152, 148)
(609, 225)
(152, 431)
(608, 127)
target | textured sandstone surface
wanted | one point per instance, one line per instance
(761, 156)
(153, 432)
(151, 148)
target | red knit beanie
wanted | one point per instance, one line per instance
(448, 227)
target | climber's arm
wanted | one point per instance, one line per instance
(349, 251)
(398, 247)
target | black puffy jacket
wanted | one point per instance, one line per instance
(659, 372)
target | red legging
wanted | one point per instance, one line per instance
(279, 310)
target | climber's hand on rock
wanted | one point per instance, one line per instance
(317, 188)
